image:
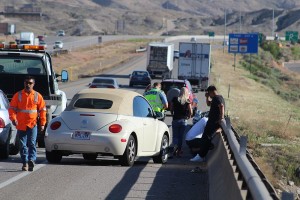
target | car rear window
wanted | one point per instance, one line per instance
(140, 73)
(104, 81)
(92, 103)
(166, 86)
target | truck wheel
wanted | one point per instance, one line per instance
(4, 149)
(53, 157)
(15, 148)
(41, 142)
(163, 154)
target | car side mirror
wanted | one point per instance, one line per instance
(159, 115)
(64, 76)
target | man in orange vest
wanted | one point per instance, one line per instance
(25, 108)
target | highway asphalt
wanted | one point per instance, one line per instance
(75, 178)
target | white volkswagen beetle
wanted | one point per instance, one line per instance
(100, 121)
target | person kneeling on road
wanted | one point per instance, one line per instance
(193, 138)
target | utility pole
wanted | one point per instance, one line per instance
(167, 17)
(225, 21)
(273, 23)
(240, 19)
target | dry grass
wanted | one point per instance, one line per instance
(256, 111)
(94, 60)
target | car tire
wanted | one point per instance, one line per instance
(15, 148)
(163, 154)
(128, 158)
(4, 149)
(53, 156)
(90, 156)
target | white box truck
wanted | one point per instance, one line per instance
(27, 38)
(194, 63)
(160, 59)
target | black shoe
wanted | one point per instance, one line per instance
(30, 165)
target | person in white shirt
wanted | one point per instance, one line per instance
(193, 136)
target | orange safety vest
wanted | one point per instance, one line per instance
(26, 107)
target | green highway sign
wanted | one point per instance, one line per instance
(211, 34)
(261, 38)
(291, 36)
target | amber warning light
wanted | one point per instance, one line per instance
(24, 47)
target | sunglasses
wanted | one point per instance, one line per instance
(28, 82)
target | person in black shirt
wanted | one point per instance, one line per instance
(182, 110)
(216, 115)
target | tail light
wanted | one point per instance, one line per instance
(2, 123)
(55, 125)
(93, 86)
(115, 128)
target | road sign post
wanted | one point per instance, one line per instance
(242, 44)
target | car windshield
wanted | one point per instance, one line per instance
(92, 103)
(22, 65)
(57, 42)
(140, 73)
(166, 86)
(103, 81)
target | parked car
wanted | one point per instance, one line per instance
(43, 43)
(139, 78)
(103, 82)
(193, 39)
(41, 37)
(119, 123)
(176, 54)
(167, 84)
(61, 33)
(9, 142)
(225, 43)
(58, 45)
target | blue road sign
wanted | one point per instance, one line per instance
(243, 43)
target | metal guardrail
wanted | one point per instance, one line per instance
(253, 180)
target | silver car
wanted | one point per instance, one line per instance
(9, 142)
(103, 82)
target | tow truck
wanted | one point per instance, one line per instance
(19, 61)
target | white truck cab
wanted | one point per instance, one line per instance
(19, 61)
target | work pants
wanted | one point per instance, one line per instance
(28, 144)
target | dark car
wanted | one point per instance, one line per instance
(168, 84)
(9, 143)
(139, 78)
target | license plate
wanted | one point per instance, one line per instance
(81, 135)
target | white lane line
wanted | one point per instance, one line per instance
(22, 175)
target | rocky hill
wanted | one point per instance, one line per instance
(91, 17)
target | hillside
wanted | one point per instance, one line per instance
(92, 17)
